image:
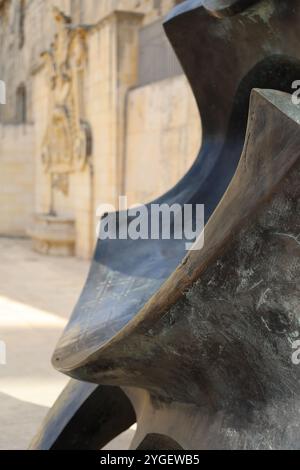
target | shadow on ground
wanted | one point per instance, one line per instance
(18, 422)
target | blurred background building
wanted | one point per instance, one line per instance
(97, 106)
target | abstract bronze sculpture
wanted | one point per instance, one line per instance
(199, 345)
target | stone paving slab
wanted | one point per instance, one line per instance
(37, 295)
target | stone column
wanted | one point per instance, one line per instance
(113, 52)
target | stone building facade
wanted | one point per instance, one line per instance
(96, 107)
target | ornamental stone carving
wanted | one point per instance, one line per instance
(67, 142)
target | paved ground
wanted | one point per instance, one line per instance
(37, 294)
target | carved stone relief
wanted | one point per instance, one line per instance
(67, 142)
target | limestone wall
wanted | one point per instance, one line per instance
(143, 139)
(110, 70)
(163, 137)
(18, 60)
(89, 11)
(77, 203)
(16, 179)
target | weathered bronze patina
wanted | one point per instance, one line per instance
(200, 344)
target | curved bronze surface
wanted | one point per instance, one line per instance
(126, 274)
(85, 417)
(204, 338)
(226, 7)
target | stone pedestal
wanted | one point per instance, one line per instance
(53, 235)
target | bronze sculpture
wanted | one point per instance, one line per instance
(205, 339)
